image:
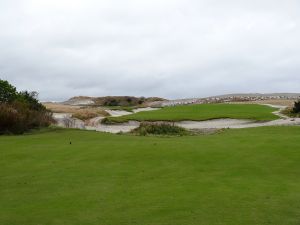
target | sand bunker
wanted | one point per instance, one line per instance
(144, 109)
(235, 124)
(66, 120)
(123, 127)
(116, 113)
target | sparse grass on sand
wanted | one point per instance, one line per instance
(282, 102)
(203, 112)
(248, 176)
(79, 112)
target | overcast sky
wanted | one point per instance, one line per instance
(167, 48)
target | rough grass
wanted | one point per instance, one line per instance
(79, 112)
(203, 112)
(248, 176)
(283, 102)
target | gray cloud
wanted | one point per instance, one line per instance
(170, 48)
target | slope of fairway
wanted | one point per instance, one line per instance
(248, 176)
(203, 112)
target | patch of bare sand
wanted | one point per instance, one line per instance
(116, 128)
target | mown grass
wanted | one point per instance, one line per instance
(203, 112)
(248, 176)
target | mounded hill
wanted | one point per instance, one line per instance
(111, 100)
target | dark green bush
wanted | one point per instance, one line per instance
(8, 93)
(159, 129)
(296, 108)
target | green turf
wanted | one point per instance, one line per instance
(248, 176)
(203, 112)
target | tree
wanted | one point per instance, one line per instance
(31, 99)
(8, 93)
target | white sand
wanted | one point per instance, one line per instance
(116, 113)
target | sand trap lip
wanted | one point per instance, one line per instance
(117, 113)
(144, 109)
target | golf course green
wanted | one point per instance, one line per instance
(243, 176)
(199, 112)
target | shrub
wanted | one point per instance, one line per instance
(111, 102)
(296, 108)
(21, 111)
(107, 121)
(84, 115)
(8, 93)
(159, 129)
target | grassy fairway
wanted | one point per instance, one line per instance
(248, 176)
(203, 112)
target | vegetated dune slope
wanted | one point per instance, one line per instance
(111, 100)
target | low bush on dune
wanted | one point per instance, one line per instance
(107, 121)
(89, 114)
(293, 111)
(296, 108)
(159, 129)
(21, 111)
(124, 101)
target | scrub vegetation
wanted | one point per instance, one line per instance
(21, 111)
(293, 111)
